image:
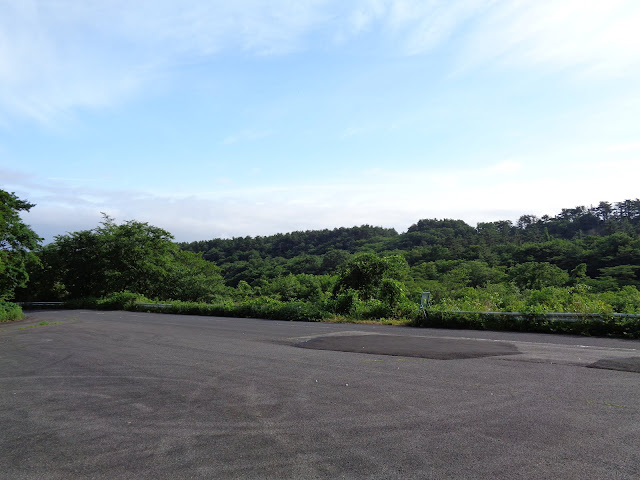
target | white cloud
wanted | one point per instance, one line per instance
(59, 56)
(353, 131)
(624, 147)
(247, 136)
(390, 198)
(507, 166)
(594, 36)
(434, 23)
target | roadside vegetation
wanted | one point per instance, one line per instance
(583, 260)
(17, 246)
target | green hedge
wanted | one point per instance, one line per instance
(605, 325)
(255, 308)
(10, 312)
(351, 308)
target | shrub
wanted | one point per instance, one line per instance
(120, 301)
(626, 300)
(10, 312)
(262, 307)
(391, 292)
(373, 309)
(344, 303)
(603, 325)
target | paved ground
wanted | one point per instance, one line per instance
(125, 395)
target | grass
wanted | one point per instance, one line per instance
(41, 324)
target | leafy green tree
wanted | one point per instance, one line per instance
(81, 263)
(189, 277)
(621, 274)
(537, 275)
(332, 260)
(17, 242)
(392, 292)
(365, 272)
(132, 256)
(45, 279)
(299, 287)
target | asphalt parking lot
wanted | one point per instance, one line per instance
(131, 395)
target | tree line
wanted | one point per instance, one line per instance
(582, 259)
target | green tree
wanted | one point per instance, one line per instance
(81, 263)
(365, 272)
(17, 242)
(537, 275)
(132, 256)
(189, 277)
(392, 292)
(45, 279)
(332, 260)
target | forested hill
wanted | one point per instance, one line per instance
(602, 243)
(289, 245)
(581, 260)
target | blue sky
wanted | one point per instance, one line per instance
(219, 119)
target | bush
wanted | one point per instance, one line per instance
(10, 312)
(120, 301)
(344, 303)
(262, 307)
(391, 292)
(603, 325)
(626, 300)
(373, 309)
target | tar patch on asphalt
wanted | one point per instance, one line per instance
(631, 364)
(423, 347)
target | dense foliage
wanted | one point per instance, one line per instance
(582, 260)
(9, 312)
(17, 241)
(131, 256)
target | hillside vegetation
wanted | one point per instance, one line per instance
(581, 260)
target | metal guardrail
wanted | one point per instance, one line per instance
(58, 304)
(40, 304)
(425, 304)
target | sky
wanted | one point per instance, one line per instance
(221, 119)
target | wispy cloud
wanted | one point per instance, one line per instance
(59, 56)
(388, 197)
(508, 166)
(624, 147)
(595, 37)
(353, 131)
(246, 136)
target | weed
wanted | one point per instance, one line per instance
(41, 324)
